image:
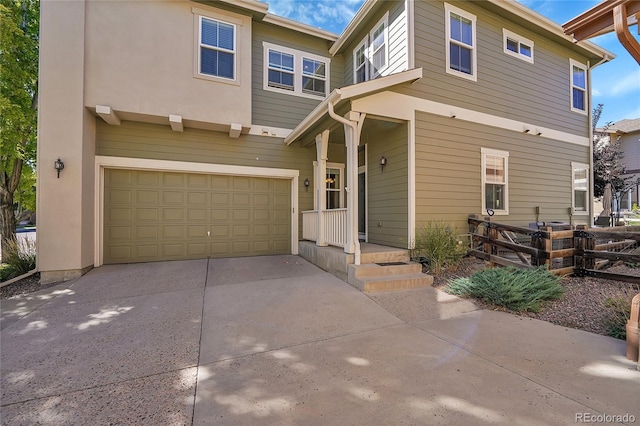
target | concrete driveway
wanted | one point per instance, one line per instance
(275, 340)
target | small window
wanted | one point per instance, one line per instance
(578, 87)
(371, 56)
(295, 72)
(495, 194)
(461, 42)
(518, 46)
(280, 73)
(333, 184)
(580, 186)
(217, 48)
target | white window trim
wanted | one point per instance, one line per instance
(506, 34)
(384, 21)
(367, 42)
(474, 48)
(364, 43)
(583, 67)
(339, 166)
(199, 45)
(298, 56)
(505, 155)
(574, 167)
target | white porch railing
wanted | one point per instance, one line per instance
(335, 226)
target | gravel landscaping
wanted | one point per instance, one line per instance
(582, 305)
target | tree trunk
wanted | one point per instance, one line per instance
(8, 219)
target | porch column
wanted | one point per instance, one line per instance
(352, 122)
(322, 144)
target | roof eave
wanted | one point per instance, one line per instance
(353, 25)
(300, 27)
(350, 92)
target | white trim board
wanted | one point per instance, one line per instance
(401, 106)
(103, 162)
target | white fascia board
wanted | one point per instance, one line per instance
(353, 24)
(548, 25)
(355, 90)
(253, 5)
(299, 26)
(397, 105)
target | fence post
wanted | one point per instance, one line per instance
(547, 246)
(590, 262)
(579, 244)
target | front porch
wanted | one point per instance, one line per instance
(381, 268)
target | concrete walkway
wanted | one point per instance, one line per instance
(275, 340)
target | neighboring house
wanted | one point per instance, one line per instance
(627, 134)
(213, 129)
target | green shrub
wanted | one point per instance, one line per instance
(19, 257)
(619, 313)
(437, 245)
(515, 289)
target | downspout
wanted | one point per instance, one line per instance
(353, 184)
(590, 115)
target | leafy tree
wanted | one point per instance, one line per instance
(19, 29)
(608, 167)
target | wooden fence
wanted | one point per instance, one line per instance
(562, 249)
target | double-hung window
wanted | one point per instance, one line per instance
(333, 185)
(495, 193)
(518, 46)
(295, 72)
(371, 56)
(461, 42)
(217, 44)
(578, 87)
(580, 188)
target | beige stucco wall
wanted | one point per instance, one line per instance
(141, 58)
(65, 205)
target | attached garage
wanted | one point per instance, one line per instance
(151, 215)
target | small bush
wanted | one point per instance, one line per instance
(437, 245)
(20, 258)
(515, 289)
(620, 311)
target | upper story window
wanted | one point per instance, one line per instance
(461, 42)
(495, 168)
(580, 185)
(371, 56)
(518, 46)
(295, 72)
(216, 53)
(578, 87)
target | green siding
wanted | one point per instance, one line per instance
(449, 180)
(507, 86)
(387, 192)
(142, 140)
(281, 109)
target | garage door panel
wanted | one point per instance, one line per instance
(174, 215)
(147, 197)
(151, 216)
(147, 233)
(147, 178)
(173, 197)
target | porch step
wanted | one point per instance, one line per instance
(381, 254)
(372, 277)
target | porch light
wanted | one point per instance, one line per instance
(306, 185)
(58, 165)
(383, 162)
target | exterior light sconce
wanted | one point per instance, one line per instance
(58, 165)
(383, 162)
(306, 185)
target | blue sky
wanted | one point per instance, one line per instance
(615, 84)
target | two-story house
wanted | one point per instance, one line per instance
(215, 129)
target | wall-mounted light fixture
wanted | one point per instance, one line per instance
(306, 184)
(383, 162)
(58, 165)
